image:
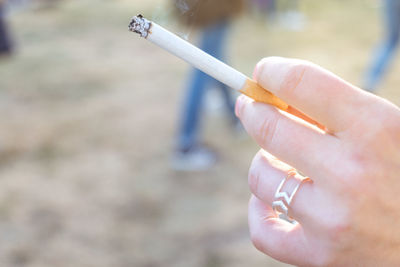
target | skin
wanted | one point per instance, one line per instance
(349, 215)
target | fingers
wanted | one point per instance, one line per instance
(287, 138)
(265, 175)
(277, 238)
(304, 117)
(318, 93)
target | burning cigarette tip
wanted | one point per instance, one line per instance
(140, 25)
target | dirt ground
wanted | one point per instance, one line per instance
(88, 113)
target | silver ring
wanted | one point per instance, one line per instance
(282, 199)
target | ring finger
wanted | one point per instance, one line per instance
(266, 175)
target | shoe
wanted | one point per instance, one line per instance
(198, 158)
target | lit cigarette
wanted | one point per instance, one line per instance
(203, 61)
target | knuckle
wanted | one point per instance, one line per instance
(263, 64)
(385, 127)
(338, 230)
(266, 130)
(355, 176)
(338, 227)
(240, 108)
(291, 72)
(294, 77)
(264, 244)
(254, 173)
(257, 241)
(352, 175)
(267, 64)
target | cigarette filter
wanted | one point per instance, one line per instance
(203, 61)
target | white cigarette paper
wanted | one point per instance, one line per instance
(202, 61)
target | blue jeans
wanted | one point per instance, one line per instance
(212, 42)
(386, 50)
(5, 42)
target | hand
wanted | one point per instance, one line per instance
(350, 214)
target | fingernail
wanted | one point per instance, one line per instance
(255, 72)
(239, 104)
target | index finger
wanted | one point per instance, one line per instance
(313, 90)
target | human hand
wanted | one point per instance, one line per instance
(350, 214)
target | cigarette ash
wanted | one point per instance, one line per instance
(140, 25)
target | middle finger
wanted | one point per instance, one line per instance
(288, 138)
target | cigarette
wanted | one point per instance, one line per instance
(203, 61)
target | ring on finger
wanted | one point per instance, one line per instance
(282, 199)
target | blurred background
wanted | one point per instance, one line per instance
(89, 114)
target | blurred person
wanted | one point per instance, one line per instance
(285, 13)
(347, 211)
(267, 7)
(290, 17)
(386, 50)
(46, 4)
(212, 18)
(5, 40)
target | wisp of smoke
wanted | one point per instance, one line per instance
(182, 6)
(163, 14)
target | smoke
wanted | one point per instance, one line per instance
(182, 6)
(187, 8)
(165, 15)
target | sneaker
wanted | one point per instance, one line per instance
(198, 158)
